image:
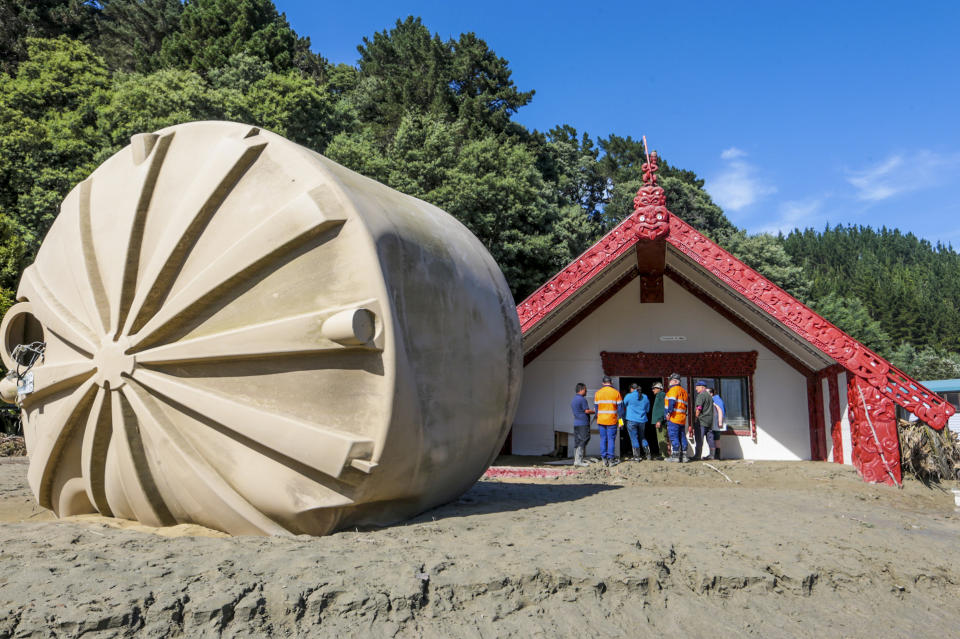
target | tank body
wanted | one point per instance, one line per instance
(245, 335)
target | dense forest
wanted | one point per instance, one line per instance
(427, 116)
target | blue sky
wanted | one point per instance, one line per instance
(796, 113)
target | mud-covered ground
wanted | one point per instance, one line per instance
(642, 549)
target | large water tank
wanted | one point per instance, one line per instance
(243, 334)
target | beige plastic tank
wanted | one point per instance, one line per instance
(243, 334)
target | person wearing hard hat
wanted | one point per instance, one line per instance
(675, 409)
(609, 405)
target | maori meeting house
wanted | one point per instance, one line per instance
(654, 296)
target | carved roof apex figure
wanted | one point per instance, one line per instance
(650, 169)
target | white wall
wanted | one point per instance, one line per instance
(954, 423)
(623, 324)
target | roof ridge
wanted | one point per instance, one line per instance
(651, 220)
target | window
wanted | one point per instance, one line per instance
(953, 398)
(735, 393)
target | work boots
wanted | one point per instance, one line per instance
(647, 453)
(677, 457)
(578, 457)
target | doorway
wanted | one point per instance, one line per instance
(646, 387)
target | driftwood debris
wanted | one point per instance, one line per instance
(929, 454)
(12, 446)
(719, 471)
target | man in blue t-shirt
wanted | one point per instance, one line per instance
(581, 424)
(637, 412)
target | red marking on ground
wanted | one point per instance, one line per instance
(507, 471)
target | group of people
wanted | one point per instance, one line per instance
(668, 415)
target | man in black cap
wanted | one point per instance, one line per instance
(703, 419)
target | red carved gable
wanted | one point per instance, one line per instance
(651, 220)
(856, 358)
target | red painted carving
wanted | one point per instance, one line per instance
(833, 385)
(584, 268)
(650, 203)
(852, 355)
(927, 406)
(882, 384)
(873, 466)
(712, 364)
(649, 169)
(818, 436)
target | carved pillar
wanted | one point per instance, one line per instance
(836, 417)
(865, 402)
(818, 437)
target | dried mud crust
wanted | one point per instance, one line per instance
(648, 549)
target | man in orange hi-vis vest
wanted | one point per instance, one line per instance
(675, 410)
(609, 406)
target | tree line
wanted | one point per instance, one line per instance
(428, 116)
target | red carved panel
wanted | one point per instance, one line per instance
(927, 406)
(865, 452)
(854, 356)
(836, 433)
(712, 364)
(818, 436)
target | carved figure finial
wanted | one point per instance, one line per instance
(650, 169)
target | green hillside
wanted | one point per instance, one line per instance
(428, 116)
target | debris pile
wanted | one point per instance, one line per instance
(12, 446)
(929, 454)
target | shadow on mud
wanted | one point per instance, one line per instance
(487, 497)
